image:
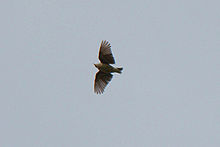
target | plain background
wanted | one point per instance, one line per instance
(167, 96)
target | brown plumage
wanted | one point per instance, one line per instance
(105, 53)
(101, 81)
(104, 76)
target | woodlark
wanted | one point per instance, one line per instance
(104, 76)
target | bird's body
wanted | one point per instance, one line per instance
(106, 68)
(104, 76)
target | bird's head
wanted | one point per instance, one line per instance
(97, 65)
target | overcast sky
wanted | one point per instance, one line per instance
(167, 96)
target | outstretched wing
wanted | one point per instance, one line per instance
(105, 53)
(101, 81)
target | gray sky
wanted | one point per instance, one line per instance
(167, 96)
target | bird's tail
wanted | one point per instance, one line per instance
(119, 70)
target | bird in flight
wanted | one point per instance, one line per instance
(104, 76)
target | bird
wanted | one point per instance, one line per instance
(104, 76)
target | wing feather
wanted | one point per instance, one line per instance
(101, 81)
(105, 53)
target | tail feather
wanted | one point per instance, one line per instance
(120, 69)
